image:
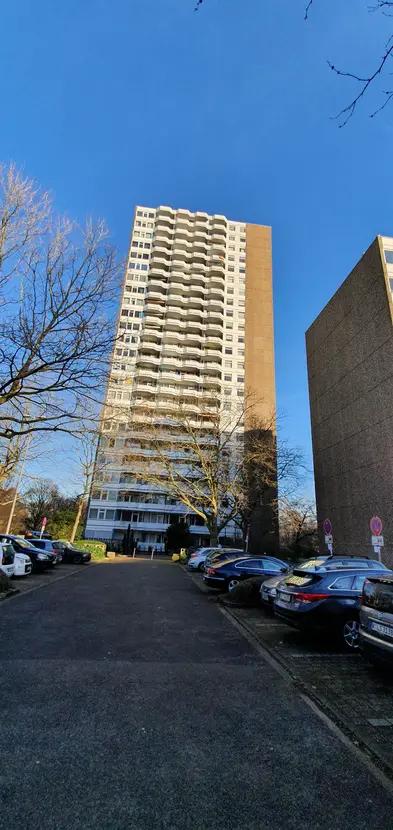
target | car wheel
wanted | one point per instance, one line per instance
(350, 634)
(232, 584)
(78, 559)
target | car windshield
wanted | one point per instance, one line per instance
(23, 544)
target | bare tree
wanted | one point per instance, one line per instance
(298, 525)
(205, 462)
(365, 81)
(40, 500)
(87, 465)
(56, 282)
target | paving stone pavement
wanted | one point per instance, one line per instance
(356, 695)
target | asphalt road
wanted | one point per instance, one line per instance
(129, 702)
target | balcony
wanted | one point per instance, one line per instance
(156, 283)
(171, 339)
(163, 230)
(214, 316)
(162, 238)
(150, 346)
(160, 251)
(158, 261)
(151, 374)
(156, 272)
(165, 212)
(141, 386)
(212, 340)
(154, 295)
(147, 360)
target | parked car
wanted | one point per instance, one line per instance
(40, 561)
(197, 558)
(223, 555)
(268, 589)
(48, 546)
(71, 553)
(376, 619)
(226, 575)
(7, 559)
(37, 534)
(326, 596)
(23, 564)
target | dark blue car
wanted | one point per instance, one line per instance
(225, 576)
(327, 596)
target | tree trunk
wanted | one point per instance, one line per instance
(77, 520)
(213, 530)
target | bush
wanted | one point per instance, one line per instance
(245, 595)
(97, 549)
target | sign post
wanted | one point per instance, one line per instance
(328, 531)
(43, 526)
(376, 527)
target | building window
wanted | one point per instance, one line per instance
(391, 284)
(228, 377)
(389, 257)
(228, 351)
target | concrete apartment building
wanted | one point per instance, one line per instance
(350, 371)
(196, 320)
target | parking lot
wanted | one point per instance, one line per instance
(25, 584)
(355, 695)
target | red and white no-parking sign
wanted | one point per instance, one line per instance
(376, 526)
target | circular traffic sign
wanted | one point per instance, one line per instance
(376, 526)
(327, 526)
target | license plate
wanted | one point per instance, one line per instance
(382, 629)
(283, 597)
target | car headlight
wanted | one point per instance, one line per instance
(42, 557)
(273, 592)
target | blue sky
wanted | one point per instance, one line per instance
(227, 110)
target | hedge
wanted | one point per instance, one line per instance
(97, 549)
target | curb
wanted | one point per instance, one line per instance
(381, 769)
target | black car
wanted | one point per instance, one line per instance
(327, 596)
(70, 553)
(226, 575)
(224, 555)
(40, 560)
(47, 546)
(376, 619)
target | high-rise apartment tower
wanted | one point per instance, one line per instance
(196, 322)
